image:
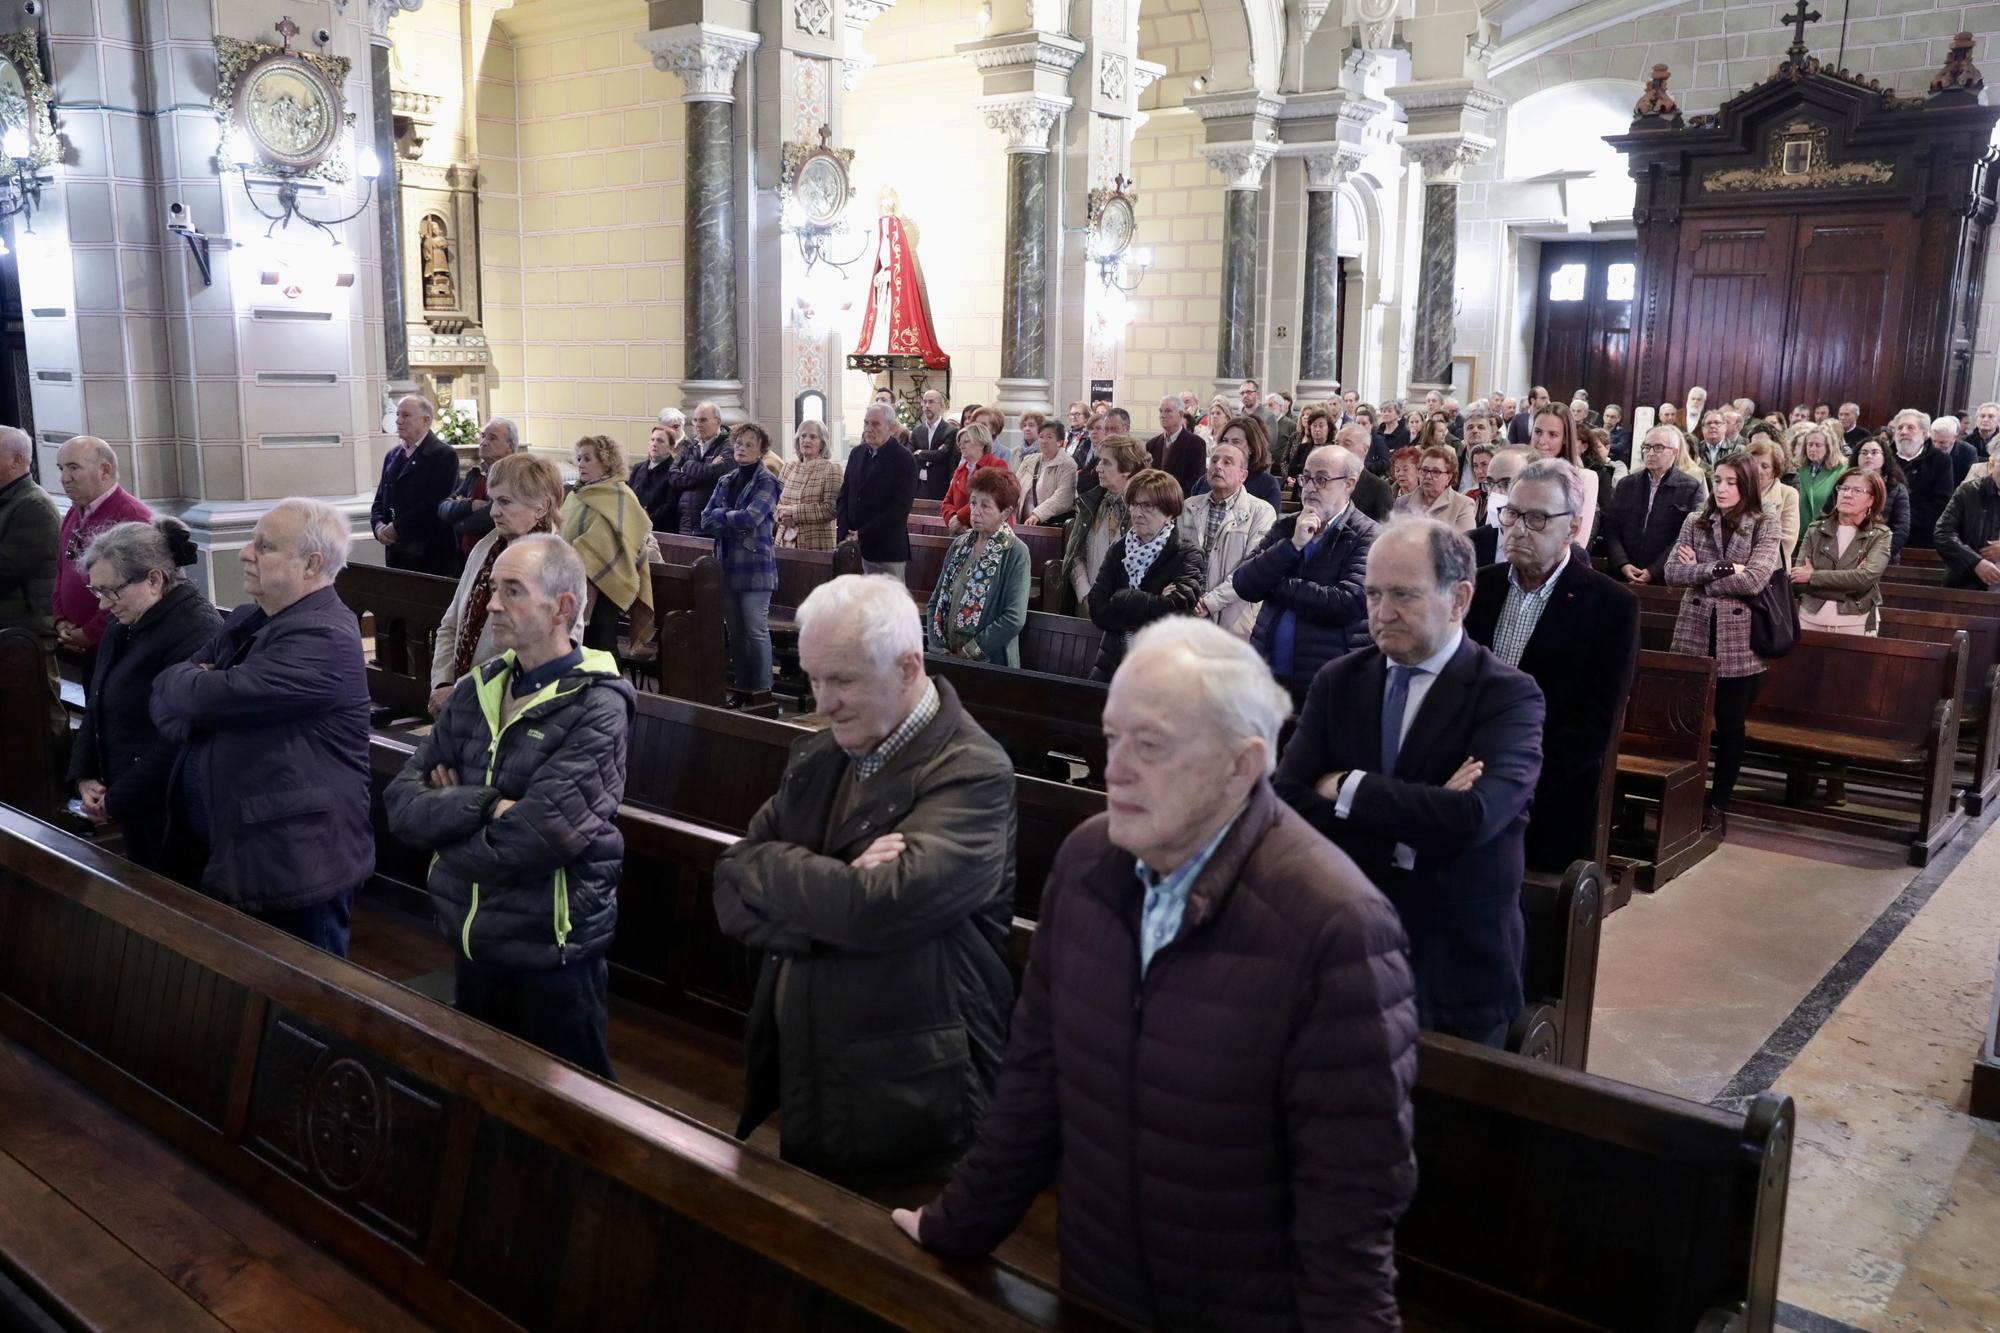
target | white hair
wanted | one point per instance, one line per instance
(1946, 423)
(1983, 406)
(1923, 418)
(424, 405)
(1558, 471)
(875, 608)
(882, 409)
(16, 441)
(323, 531)
(560, 568)
(672, 416)
(506, 427)
(1241, 698)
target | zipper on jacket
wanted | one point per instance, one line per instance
(465, 931)
(562, 914)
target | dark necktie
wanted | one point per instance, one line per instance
(1394, 700)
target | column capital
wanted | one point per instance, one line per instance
(1025, 118)
(1029, 52)
(1374, 23)
(704, 55)
(381, 11)
(1241, 164)
(861, 13)
(1444, 157)
(1327, 167)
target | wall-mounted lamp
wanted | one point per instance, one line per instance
(286, 193)
(815, 187)
(20, 181)
(1124, 273)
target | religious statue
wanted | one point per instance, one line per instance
(897, 321)
(1959, 74)
(1656, 103)
(440, 292)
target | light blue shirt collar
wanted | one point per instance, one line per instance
(1167, 895)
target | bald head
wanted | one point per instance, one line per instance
(88, 468)
(17, 454)
(413, 419)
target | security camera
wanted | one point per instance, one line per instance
(323, 36)
(32, 8)
(177, 217)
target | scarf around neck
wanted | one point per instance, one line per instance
(1140, 558)
(956, 625)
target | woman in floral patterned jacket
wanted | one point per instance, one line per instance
(980, 603)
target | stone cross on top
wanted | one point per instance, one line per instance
(1797, 22)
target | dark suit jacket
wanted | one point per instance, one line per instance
(1931, 485)
(1085, 454)
(412, 487)
(1184, 458)
(1373, 496)
(653, 482)
(876, 492)
(467, 524)
(1323, 588)
(1485, 544)
(936, 450)
(1632, 537)
(1521, 429)
(1461, 901)
(1584, 652)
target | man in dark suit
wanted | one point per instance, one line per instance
(417, 477)
(1507, 463)
(1372, 495)
(1929, 472)
(1521, 430)
(934, 443)
(1576, 633)
(1417, 756)
(1177, 450)
(1647, 508)
(876, 492)
(1851, 429)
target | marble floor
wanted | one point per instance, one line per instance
(1858, 986)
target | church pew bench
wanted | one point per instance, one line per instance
(1044, 543)
(1979, 723)
(688, 652)
(1663, 766)
(930, 507)
(406, 608)
(1929, 575)
(1058, 645)
(1043, 720)
(35, 755)
(477, 1180)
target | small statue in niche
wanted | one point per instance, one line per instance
(1959, 74)
(1656, 103)
(440, 292)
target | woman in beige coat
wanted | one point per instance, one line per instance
(811, 483)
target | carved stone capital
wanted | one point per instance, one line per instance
(1145, 73)
(852, 67)
(1326, 169)
(1045, 53)
(1025, 119)
(1444, 157)
(1241, 164)
(861, 13)
(705, 56)
(1448, 95)
(1239, 102)
(381, 11)
(1374, 23)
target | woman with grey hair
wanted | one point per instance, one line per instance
(118, 763)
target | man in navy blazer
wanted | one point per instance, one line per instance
(1576, 633)
(1177, 450)
(1418, 757)
(417, 477)
(1643, 521)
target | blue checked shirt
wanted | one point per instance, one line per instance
(868, 765)
(746, 534)
(1522, 612)
(1167, 895)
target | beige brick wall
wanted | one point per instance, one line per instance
(581, 212)
(1171, 341)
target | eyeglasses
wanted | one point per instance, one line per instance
(1500, 484)
(1656, 448)
(1324, 479)
(109, 594)
(1534, 519)
(1435, 471)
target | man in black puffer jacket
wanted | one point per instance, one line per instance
(516, 790)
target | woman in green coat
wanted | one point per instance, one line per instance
(980, 603)
(1821, 463)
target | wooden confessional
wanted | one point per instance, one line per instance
(1819, 239)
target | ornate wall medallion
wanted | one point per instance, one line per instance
(285, 106)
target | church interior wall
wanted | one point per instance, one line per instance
(1170, 344)
(1716, 49)
(916, 128)
(582, 256)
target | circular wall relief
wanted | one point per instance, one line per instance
(344, 1124)
(1115, 227)
(291, 111)
(821, 189)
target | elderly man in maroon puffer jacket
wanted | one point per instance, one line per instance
(1224, 1100)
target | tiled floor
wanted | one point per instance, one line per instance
(1894, 1214)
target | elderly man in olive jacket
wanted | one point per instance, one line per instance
(1216, 1040)
(879, 882)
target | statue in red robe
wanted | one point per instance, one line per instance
(897, 321)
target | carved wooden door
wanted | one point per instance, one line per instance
(1731, 298)
(1847, 324)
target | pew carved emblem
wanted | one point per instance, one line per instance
(344, 1124)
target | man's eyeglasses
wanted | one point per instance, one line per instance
(1534, 519)
(1500, 484)
(1656, 448)
(1324, 479)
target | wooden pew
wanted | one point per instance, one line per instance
(1564, 919)
(1059, 645)
(1663, 766)
(1043, 720)
(688, 652)
(1044, 543)
(481, 1182)
(407, 608)
(1979, 725)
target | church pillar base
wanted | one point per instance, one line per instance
(1022, 395)
(727, 395)
(1316, 391)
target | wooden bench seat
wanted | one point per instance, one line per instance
(1663, 767)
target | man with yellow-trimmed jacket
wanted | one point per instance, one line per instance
(516, 791)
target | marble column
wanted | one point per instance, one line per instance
(706, 57)
(1319, 342)
(388, 198)
(1236, 343)
(1022, 319)
(1442, 157)
(1024, 383)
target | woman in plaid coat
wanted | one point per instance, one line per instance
(810, 487)
(741, 516)
(1727, 552)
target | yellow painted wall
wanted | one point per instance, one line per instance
(1171, 342)
(581, 212)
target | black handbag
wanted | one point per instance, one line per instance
(1774, 616)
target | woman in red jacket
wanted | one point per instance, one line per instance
(975, 448)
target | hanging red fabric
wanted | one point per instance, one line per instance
(907, 305)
